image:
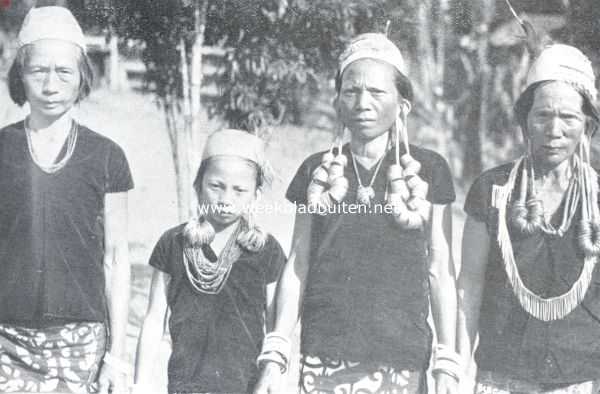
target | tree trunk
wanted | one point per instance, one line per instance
(196, 76)
(476, 131)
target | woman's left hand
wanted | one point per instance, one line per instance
(111, 380)
(445, 383)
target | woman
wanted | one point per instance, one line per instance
(216, 274)
(360, 276)
(63, 224)
(530, 244)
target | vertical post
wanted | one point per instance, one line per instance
(114, 69)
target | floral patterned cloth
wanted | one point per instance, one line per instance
(324, 375)
(62, 358)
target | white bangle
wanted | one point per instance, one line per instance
(446, 360)
(276, 348)
(272, 357)
(116, 363)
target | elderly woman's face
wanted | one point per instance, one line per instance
(555, 123)
(368, 101)
(51, 77)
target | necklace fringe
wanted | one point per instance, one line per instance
(545, 309)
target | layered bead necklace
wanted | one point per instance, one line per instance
(208, 276)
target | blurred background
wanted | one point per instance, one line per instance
(169, 72)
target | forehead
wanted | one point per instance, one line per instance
(370, 72)
(559, 95)
(53, 51)
(231, 168)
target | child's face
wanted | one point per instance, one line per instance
(228, 188)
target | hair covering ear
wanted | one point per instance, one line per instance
(52, 22)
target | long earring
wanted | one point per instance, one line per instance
(408, 191)
(198, 231)
(252, 237)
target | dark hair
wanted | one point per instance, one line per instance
(525, 102)
(402, 83)
(15, 75)
(204, 166)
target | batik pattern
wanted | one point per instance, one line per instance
(324, 375)
(63, 358)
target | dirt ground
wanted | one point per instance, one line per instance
(136, 123)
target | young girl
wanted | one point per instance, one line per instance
(216, 275)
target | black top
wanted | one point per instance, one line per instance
(216, 337)
(367, 289)
(514, 343)
(52, 229)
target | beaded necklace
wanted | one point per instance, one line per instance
(545, 309)
(207, 276)
(53, 168)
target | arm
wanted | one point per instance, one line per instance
(475, 248)
(288, 297)
(290, 291)
(270, 312)
(442, 282)
(152, 329)
(117, 274)
(442, 279)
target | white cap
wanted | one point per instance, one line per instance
(564, 63)
(233, 142)
(373, 46)
(51, 22)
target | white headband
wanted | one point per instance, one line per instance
(233, 142)
(563, 63)
(57, 23)
(372, 46)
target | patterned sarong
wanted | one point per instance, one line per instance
(492, 383)
(63, 358)
(320, 376)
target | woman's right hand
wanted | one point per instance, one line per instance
(269, 381)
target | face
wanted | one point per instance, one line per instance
(228, 186)
(51, 77)
(368, 102)
(555, 123)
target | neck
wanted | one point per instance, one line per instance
(371, 149)
(224, 230)
(559, 174)
(43, 125)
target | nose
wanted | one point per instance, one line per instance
(362, 99)
(554, 128)
(50, 85)
(226, 198)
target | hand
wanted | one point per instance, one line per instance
(112, 381)
(445, 383)
(270, 379)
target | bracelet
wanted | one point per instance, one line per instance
(276, 348)
(446, 360)
(273, 357)
(116, 363)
